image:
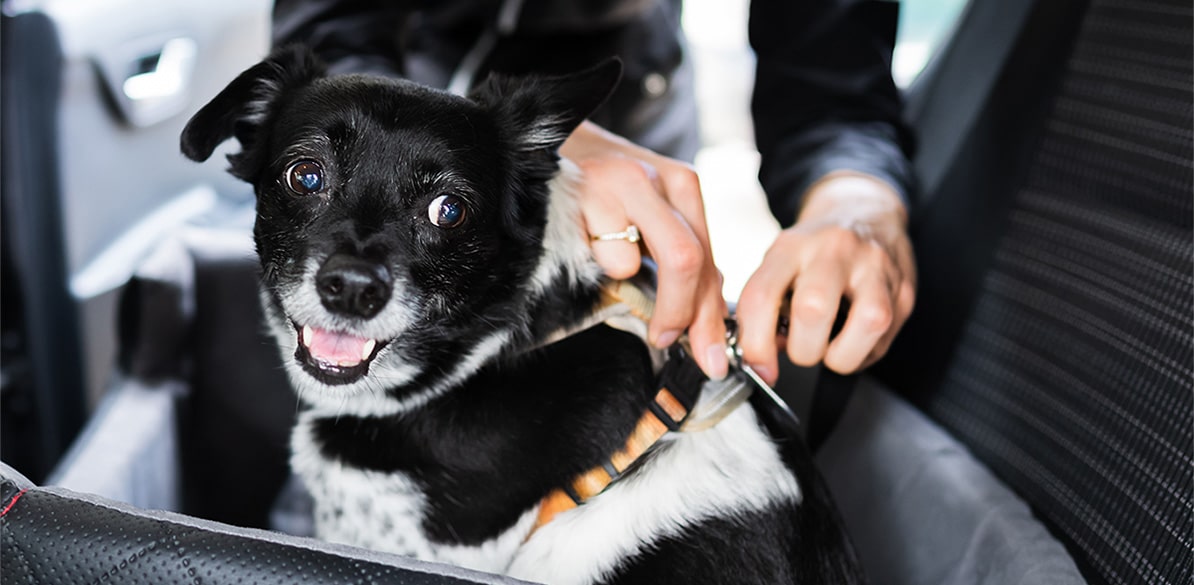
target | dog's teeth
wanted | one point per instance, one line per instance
(308, 334)
(367, 350)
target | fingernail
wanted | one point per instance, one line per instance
(716, 362)
(764, 372)
(667, 338)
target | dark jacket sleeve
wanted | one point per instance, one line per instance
(824, 99)
(352, 36)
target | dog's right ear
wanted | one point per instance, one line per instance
(543, 111)
(242, 107)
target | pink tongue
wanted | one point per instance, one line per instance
(334, 348)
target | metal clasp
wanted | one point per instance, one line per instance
(719, 398)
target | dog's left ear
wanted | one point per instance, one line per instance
(545, 110)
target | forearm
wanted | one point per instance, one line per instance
(824, 99)
(791, 170)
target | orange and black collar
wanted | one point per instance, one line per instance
(679, 381)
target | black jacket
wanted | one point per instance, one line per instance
(824, 99)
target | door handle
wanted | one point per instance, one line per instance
(151, 79)
(170, 73)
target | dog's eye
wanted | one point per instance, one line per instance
(446, 211)
(305, 177)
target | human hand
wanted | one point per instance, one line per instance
(625, 184)
(850, 241)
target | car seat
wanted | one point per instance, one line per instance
(1052, 335)
(1031, 425)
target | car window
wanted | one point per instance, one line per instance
(925, 26)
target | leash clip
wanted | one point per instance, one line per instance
(719, 398)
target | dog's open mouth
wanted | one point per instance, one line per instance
(334, 357)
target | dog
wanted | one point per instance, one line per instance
(428, 280)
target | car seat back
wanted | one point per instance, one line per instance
(41, 381)
(1053, 332)
(197, 320)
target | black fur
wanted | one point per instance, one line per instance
(746, 549)
(500, 147)
(482, 445)
(480, 450)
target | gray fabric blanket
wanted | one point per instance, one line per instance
(923, 511)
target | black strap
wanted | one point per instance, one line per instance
(830, 397)
(831, 393)
(681, 376)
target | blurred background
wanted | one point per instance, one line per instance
(95, 94)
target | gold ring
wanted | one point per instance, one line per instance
(630, 234)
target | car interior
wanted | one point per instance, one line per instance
(1033, 423)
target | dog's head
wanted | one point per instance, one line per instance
(402, 231)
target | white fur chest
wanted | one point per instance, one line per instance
(385, 511)
(730, 468)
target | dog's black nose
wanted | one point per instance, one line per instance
(354, 287)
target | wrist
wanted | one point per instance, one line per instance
(850, 197)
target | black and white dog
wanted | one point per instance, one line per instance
(419, 251)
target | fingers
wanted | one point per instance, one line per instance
(669, 214)
(618, 258)
(679, 255)
(707, 333)
(665, 232)
(905, 300)
(759, 308)
(815, 301)
(689, 290)
(820, 267)
(870, 318)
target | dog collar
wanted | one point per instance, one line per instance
(680, 383)
(629, 300)
(627, 305)
(623, 304)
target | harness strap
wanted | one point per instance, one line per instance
(679, 384)
(622, 304)
(631, 295)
